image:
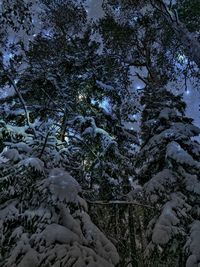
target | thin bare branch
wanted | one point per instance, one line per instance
(119, 202)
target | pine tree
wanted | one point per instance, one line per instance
(77, 84)
(169, 171)
(44, 220)
(66, 89)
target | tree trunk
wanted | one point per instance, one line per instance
(63, 126)
(133, 249)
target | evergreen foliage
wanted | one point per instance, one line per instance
(44, 220)
(77, 185)
(169, 170)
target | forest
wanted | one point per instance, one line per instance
(99, 156)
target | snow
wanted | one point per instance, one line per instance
(17, 130)
(66, 243)
(160, 182)
(168, 222)
(193, 245)
(22, 247)
(176, 152)
(61, 234)
(17, 232)
(92, 130)
(63, 186)
(178, 131)
(167, 113)
(192, 183)
(35, 163)
(6, 92)
(69, 222)
(104, 86)
(3, 159)
(104, 247)
(20, 146)
(31, 259)
(9, 211)
(55, 233)
(10, 154)
(194, 146)
(82, 203)
(94, 9)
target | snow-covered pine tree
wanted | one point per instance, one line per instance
(44, 220)
(100, 102)
(169, 167)
(105, 157)
(75, 80)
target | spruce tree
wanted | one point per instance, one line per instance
(44, 220)
(64, 91)
(169, 166)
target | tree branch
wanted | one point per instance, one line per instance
(119, 202)
(21, 99)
